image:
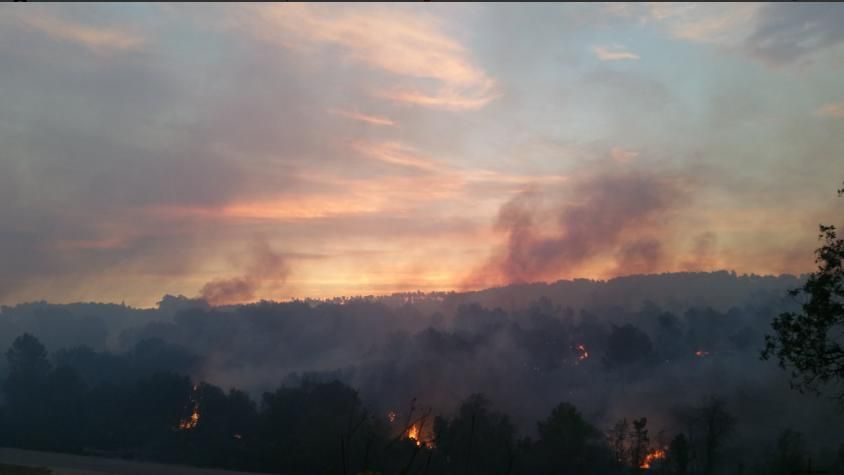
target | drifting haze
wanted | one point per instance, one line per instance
(629, 347)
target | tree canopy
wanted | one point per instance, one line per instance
(810, 342)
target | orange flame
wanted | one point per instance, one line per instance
(191, 421)
(413, 434)
(651, 457)
(701, 353)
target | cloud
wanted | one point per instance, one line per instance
(445, 99)
(369, 119)
(622, 155)
(831, 109)
(604, 218)
(285, 208)
(99, 39)
(613, 53)
(712, 23)
(265, 267)
(397, 153)
(773, 33)
(785, 33)
(434, 70)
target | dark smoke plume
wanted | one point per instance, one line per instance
(266, 267)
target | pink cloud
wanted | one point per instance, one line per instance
(411, 46)
(622, 155)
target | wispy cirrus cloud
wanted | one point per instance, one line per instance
(713, 23)
(369, 119)
(99, 39)
(773, 33)
(786, 33)
(620, 154)
(412, 46)
(397, 153)
(831, 109)
(614, 53)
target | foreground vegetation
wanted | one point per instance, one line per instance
(7, 469)
(320, 427)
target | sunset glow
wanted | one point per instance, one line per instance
(369, 149)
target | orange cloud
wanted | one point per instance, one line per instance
(282, 209)
(397, 154)
(401, 154)
(369, 119)
(832, 109)
(448, 100)
(96, 38)
(412, 46)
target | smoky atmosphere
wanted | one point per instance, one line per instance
(421, 238)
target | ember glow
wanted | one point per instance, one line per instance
(701, 353)
(651, 457)
(190, 422)
(582, 354)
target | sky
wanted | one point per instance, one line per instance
(273, 151)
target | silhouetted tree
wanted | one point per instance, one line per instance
(314, 428)
(639, 442)
(477, 440)
(678, 455)
(28, 369)
(618, 437)
(810, 341)
(64, 394)
(569, 445)
(710, 424)
(790, 453)
(26, 391)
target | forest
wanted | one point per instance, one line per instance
(657, 373)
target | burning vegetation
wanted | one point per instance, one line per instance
(651, 457)
(190, 422)
(413, 434)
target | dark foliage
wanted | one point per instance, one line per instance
(811, 342)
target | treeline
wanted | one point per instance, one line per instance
(83, 401)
